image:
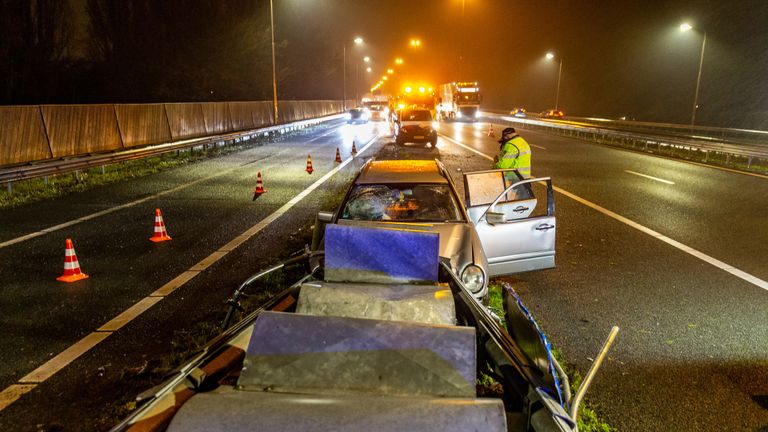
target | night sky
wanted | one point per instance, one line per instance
(619, 58)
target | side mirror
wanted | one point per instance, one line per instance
(321, 219)
(494, 218)
(325, 216)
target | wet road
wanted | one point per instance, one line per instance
(692, 353)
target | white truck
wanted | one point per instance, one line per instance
(459, 100)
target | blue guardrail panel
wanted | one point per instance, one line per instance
(373, 255)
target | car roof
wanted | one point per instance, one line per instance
(401, 171)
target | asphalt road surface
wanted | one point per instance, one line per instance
(692, 354)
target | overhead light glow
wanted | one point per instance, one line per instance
(366, 59)
(684, 27)
(550, 56)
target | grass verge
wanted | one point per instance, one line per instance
(588, 420)
(39, 189)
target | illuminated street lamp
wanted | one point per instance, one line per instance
(390, 71)
(551, 56)
(368, 69)
(415, 43)
(684, 28)
(366, 59)
(358, 40)
(399, 61)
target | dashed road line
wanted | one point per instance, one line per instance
(649, 177)
(674, 243)
(12, 393)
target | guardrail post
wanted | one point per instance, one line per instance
(10, 188)
(727, 158)
(103, 169)
(45, 180)
(749, 162)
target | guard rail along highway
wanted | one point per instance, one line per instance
(737, 148)
(43, 140)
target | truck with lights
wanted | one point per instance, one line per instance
(416, 96)
(459, 100)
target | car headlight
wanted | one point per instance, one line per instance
(473, 278)
(459, 114)
(477, 114)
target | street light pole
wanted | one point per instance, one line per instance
(698, 81)
(358, 40)
(550, 56)
(274, 73)
(559, 75)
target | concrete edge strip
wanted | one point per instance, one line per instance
(13, 392)
(674, 243)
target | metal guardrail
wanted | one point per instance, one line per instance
(698, 132)
(745, 155)
(69, 165)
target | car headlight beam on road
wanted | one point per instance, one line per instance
(473, 278)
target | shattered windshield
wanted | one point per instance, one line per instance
(402, 203)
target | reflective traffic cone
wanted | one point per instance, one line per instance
(309, 165)
(259, 187)
(338, 156)
(354, 149)
(160, 235)
(71, 265)
(490, 131)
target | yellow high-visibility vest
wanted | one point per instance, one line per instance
(515, 153)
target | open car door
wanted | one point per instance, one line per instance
(514, 220)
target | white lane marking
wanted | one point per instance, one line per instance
(674, 243)
(51, 367)
(136, 202)
(537, 146)
(649, 177)
(449, 139)
(14, 392)
(64, 358)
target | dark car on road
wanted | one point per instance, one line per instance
(357, 115)
(415, 125)
(553, 114)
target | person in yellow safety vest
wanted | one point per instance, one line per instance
(514, 153)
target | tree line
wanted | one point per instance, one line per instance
(140, 51)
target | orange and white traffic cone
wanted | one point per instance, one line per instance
(259, 187)
(490, 131)
(72, 271)
(338, 156)
(354, 149)
(160, 235)
(309, 165)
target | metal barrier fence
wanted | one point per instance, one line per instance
(745, 155)
(45, 132)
